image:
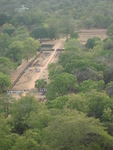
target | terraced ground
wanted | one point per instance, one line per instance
(28, 78)
(85, 34)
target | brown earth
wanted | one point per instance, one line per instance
(27, 81)
(85, 34)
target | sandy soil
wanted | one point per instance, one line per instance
(27, 81)
(30, 76)
(58, 44)
(16, 72)
(84, 34)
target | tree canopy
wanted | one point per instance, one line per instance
(5, 82)
(77, 111)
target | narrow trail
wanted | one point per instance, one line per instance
(58, 45)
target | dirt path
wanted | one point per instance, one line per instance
(28, 79)
(84, 34)
(59, 44)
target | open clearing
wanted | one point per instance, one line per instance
(39, 68)
(85, 34)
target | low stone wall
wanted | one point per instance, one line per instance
(62, 49)
(30, 63)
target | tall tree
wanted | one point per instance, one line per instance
(6, 65)
(3, 18)
(30, 48)
(5, 139)
(92, 42)
(41, 83)
(97, 103)
(72, 44)
(61, 85)
(54, 70)
(76, 132)
(39, 32)
(5, 103)
(5, 41)
(8, 28)
(28, 141)
(14, 51)
(21, 34)
(21, 111)
(5, 82)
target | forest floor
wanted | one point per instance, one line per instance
(27, 81)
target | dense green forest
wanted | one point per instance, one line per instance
(78, 114)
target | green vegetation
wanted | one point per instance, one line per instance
(40, 84)
(5, 82)
(34, 125)
(17, 44)
(61, 85)
(78, 113)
